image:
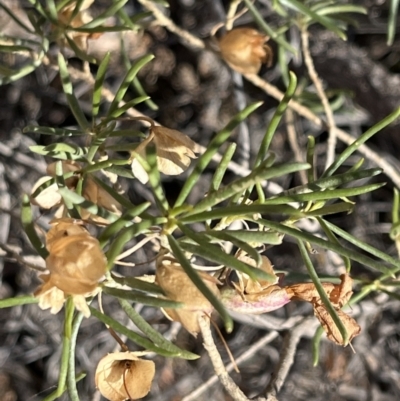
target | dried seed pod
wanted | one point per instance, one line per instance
(174, 152)
(245, 50)
(99, 196)
(76, 263)
(178, 287)
(123, 375)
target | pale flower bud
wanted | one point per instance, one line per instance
(245, 49)
(122, 375)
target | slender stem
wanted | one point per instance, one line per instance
(332, 140)
(230, 386)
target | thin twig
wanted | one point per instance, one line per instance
(230, 386)
(163, 20)
(289, 346)
(294, 144)
(230, 16)
(271, 90)
(13, 254)
(332, 140)
(253, 349)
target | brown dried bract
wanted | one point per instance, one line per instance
(339, 295)
(80, 19)
(332, 331)
(174, 152)
(179, 287)
(123, 375)
(245, 50)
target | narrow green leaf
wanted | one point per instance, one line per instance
(140, 298)
(250, 236)
(77, 200)
(324, 297)
(154, 335)
(98, 84)
(77, 153)
(206, 237)
(242, 212)
(276, 119)
(71, 377)
(64, 132)
(136, 338)
(351, 254)
(52, 10)
(310, 159)
(155, 179)
(216, 254)
(29, 227)
(69, 93)
(298, 6)
(110, 12)
(124, 236)
(127, 80)
(362, 245)
(118, 197)
(392, 23)
(138, 284)
(334, 181)
(78, 51)
(324, 195)
(359, 141)
(16, 301)
(212, 148)
(342, 9)
(198, 282)
(316, 344)
(265, 27)
(240, 185)
(222, 167)
(66, 345)
(126, 220)
(128, 105)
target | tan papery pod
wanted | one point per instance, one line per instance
(75, 262)
(245, 50)
(123, 375)
(178, 287)
(174, 152)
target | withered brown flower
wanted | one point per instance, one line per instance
(123, 375)
(245, 50)
(338, 295)
(76, 263)
(174, 152)
(81, 18)
(179, 287)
